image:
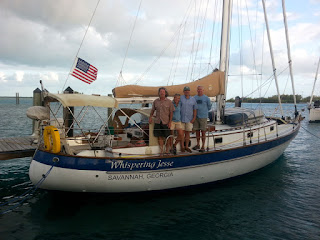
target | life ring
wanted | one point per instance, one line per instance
(51, 138)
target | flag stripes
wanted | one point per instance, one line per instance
(84, 71)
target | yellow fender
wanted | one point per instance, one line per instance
(51, 138)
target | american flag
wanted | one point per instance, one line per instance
(84, 71)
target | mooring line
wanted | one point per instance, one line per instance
(310, 133)
(26, 195)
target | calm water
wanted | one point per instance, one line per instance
(281, 201)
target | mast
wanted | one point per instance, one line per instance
(224, 54)
(314, 84)
(289, 55)
(272, 57)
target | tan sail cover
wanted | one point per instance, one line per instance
(213, 85)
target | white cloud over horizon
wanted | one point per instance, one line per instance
(41, 38)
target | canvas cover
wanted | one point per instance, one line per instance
(213, 85)
(38, 113)
(80, 100)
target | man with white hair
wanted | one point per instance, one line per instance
(200, 124)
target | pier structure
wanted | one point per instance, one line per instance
(25, 146)
(17, 147)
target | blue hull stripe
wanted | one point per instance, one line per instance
(165, 163)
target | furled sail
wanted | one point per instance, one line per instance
(213, 85)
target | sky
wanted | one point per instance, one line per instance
(154, 43)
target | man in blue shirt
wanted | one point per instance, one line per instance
(176, 124)
(188, 115)
(200, 124)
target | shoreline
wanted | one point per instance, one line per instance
(14, 97)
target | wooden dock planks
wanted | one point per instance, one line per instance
(16, 147)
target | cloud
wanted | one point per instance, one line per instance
(50, 77)
(55, 14)
(40, 40)
(19, 76)
(3, 77)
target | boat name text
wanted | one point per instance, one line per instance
(140, 165)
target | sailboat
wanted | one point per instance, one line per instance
(314, 107)
(123, 155)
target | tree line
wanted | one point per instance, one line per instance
(274, 99)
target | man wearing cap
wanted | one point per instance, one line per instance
(188, 114)
(200, 124)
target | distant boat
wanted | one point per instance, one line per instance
(314, 107)
(123, 155)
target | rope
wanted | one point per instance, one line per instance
(26, 195)
(182, 37)
(81, 44)
(157, 58)
(310, 132)
(212, 35)
(125, 56)
(193, 43)
(174, 59)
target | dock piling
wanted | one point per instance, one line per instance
(67, 116)
(17, 98)
(37, 101)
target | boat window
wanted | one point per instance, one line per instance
(271, 128)
(218, 140)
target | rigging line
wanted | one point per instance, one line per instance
(157, 58)
(253, 52)
(183, 24)
(202, 32)
(162, 52)
(193, 42)
(228, 51)
(256, 27)
(81, 44)
(212, 35)
(174, 58)
(255, 44)
(252, 74)
(262, 59)
(125, 56)
(177, 62)
(240, 44)
(286, 85)
(269, 79)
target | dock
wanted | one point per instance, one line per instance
(16, 147)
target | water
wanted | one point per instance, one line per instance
(280, 201)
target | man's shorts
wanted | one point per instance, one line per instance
(200, 124)
(161, 130)
(187, 126)
(175, 126)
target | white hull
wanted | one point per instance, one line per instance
(314, 115)
(138, 181)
